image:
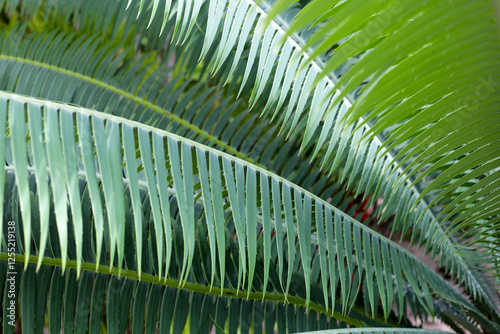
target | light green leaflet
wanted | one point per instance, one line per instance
(266, 224)
(251, 223)
(238, 211)
(19, 156)
(320, 225)
(147, 162)
(216, 188)
(290, 233)
(85, 141)
(68, 141)
(230, 30)
(40, 162)
(183, 185)
(56, 163)
(131, 168)
(208, 205)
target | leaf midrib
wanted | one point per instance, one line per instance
(135, 124)
(194, 287)
(264, 171)
(224, 146)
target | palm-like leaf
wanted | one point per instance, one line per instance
(203, 220)
(249, 190)
(103, 85)
(296, 70)
(437, 116)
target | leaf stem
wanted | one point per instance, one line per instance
(199, 288)
(136, 99)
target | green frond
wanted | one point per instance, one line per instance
(305, 78)
(185, 110)
(238, 158)
(355, 150)
(435, 92)
(242, 185)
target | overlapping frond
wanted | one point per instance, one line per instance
(244, 16)
(114, 154)
(304, 90)
(435, 68)
(360, 155)
(258, 227)
(157, 96)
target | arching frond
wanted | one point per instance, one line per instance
(201, 208)
(440, 116)
(297, 77)
(256, 200)
(184, 110)
(311, 70)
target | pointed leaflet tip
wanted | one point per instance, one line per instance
(165, 15)
(140, 8)
(39, 263)
(153, 12)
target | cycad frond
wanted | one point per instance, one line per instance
(448, 53)
(157, 96)
(299, 72)
(252, 198)
(162, 207)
